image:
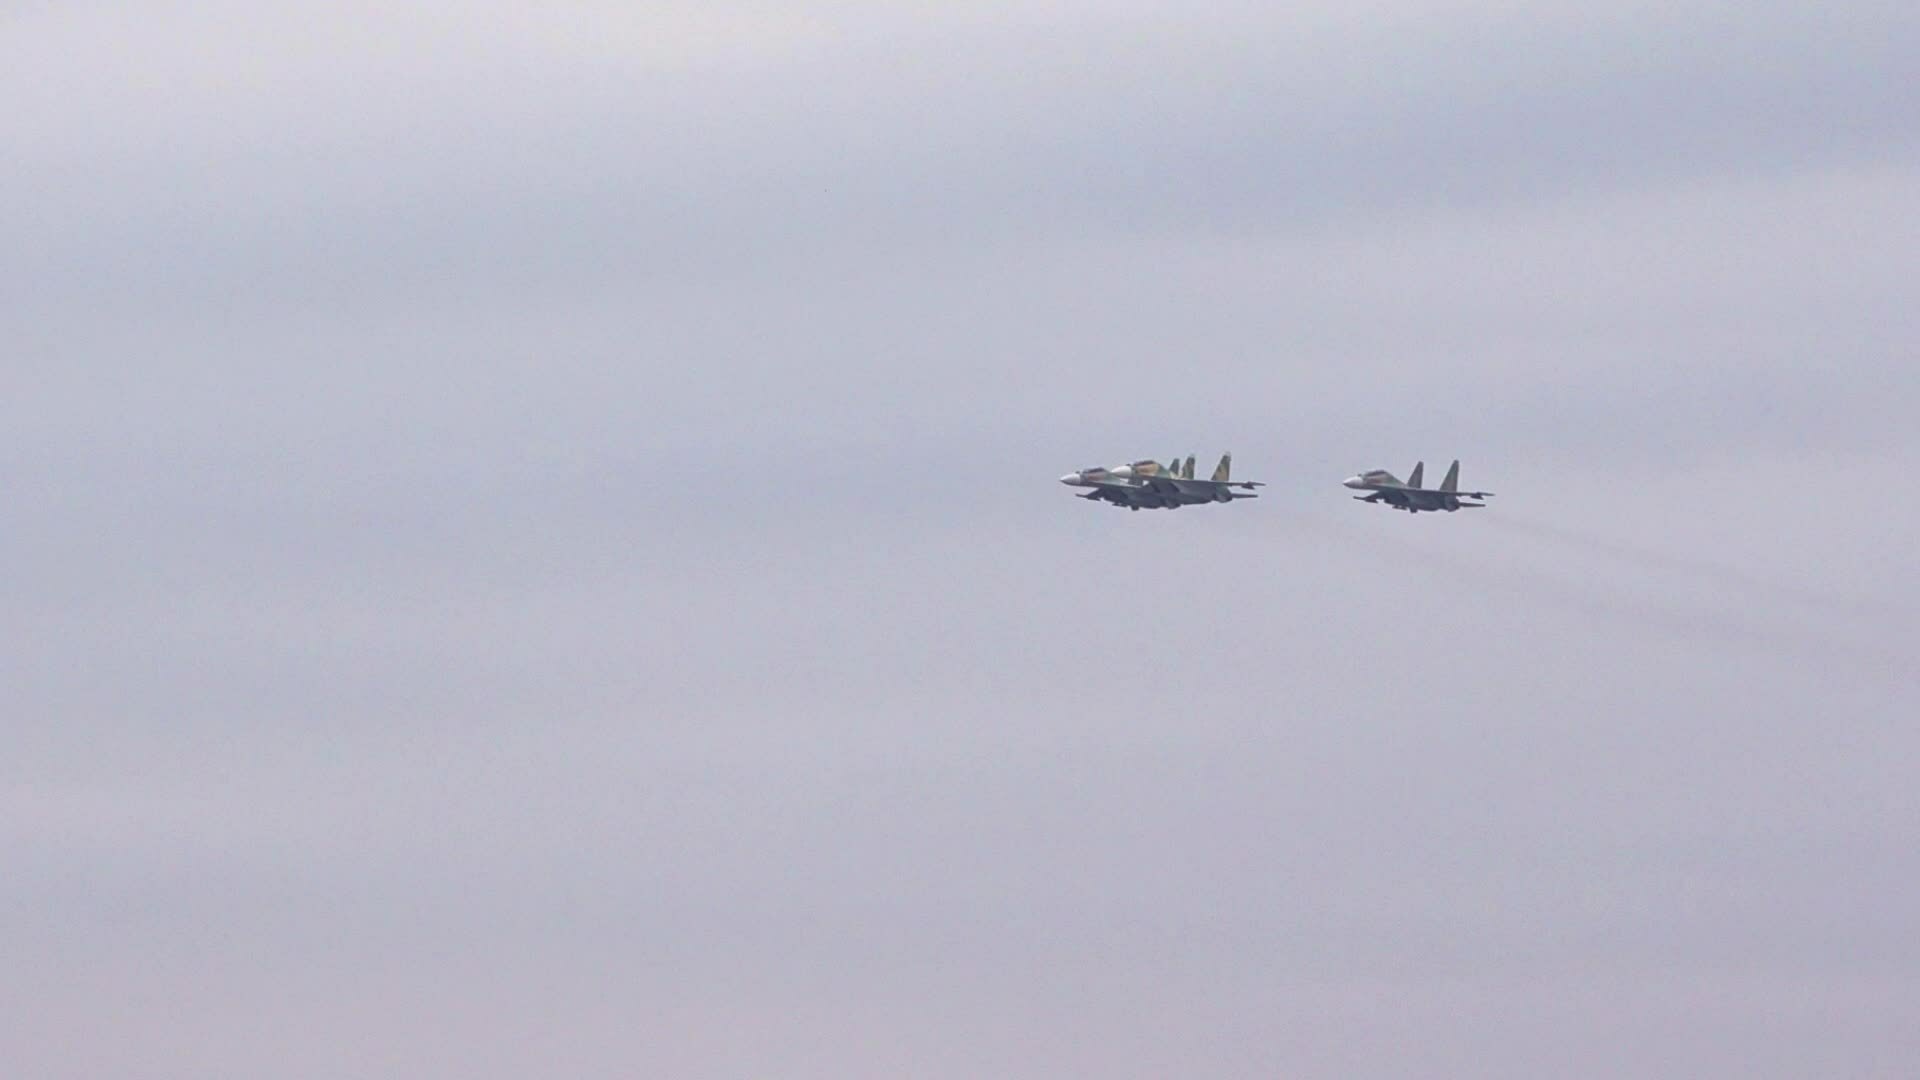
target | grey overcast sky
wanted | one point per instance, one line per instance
(531, 544)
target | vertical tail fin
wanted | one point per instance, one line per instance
(1452, 482)
(1186, 471)
(1414, 478)
(1222, 471)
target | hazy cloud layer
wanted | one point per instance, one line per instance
(533, 548)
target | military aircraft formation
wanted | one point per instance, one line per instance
(1149, 485)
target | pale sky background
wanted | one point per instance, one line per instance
(532, 547)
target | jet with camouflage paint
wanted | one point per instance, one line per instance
(1149, 485)
(1410, 496)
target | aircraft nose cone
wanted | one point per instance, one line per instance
(1354, 482)
(1070, 478)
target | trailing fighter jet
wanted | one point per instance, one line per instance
(1150, 485)
(1410, 496)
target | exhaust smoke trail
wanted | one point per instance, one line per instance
(1703, 570)
(1741, 607)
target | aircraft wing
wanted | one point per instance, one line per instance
(1185, 486)
(1118, 491)
(1439, 491)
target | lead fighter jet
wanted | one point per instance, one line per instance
(1410, 496)
(1150, 485)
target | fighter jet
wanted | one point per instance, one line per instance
(1410, 496)
(1150, 485)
